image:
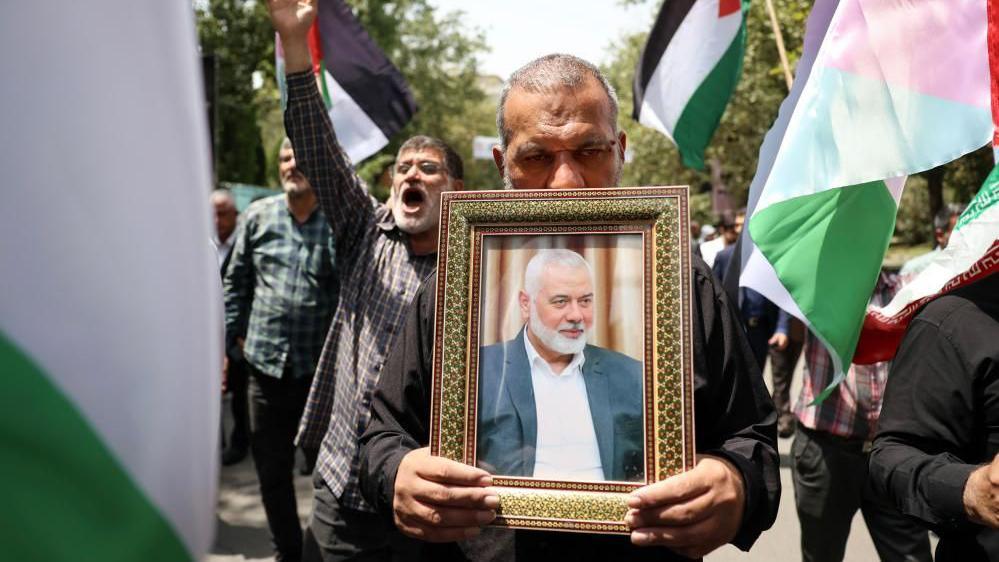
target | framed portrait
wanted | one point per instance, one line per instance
(562, 352)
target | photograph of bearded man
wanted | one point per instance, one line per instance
(551, 405)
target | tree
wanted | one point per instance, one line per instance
(238, 33)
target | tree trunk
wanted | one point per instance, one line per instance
(934, 187)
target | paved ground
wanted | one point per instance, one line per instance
(242, 529)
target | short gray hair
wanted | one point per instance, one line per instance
(223, 193)
(551, 73)
(548, 257)
(942, 219)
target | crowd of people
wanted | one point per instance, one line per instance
(330, 300)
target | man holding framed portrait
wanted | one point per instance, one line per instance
(557, 121)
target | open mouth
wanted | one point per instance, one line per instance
(412, 199)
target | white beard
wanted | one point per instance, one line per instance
(554, 340)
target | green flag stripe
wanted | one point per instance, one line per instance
(700, 117)
(322, 81)
(987, 197)
(65, 496)
(827, 250)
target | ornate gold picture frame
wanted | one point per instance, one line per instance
(636, 245)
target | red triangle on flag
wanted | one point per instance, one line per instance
(726, 7)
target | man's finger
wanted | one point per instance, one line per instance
(686, 536)
(688, 512)
(447, 471)
(674, 489)
(456, 496)
(440, 517)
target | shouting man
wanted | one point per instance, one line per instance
(384, 252)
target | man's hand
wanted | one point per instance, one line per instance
(778, 341)
(981, 495)
(691, 513)
(292, 20)
(440, 500)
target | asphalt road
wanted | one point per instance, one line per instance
(242, 528)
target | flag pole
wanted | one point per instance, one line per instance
(779, 37)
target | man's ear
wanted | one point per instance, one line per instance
(457, 185)
(622, 142)
(498, 159)
(525, 305)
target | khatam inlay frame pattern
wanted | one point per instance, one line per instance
(660, 214)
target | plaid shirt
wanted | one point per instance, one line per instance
(379, 279)
(852, 410)
(280, 288)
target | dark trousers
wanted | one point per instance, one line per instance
(276, 406)
(337, 533)
(238, 382)
(782, 364)
(830, 485)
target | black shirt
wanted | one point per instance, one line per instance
(734, 419)
(940, 418)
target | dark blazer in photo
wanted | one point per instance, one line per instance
(507, 415)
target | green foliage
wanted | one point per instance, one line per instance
(238, 33)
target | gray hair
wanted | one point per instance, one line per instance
(942, 219)
(285, 144)
(222, 193)
(548, 74)
(548, 257)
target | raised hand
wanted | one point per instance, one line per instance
(292, 20)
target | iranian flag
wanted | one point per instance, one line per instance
(110, 313)
(885, 88)
(972, 253)
(688, 71)
(367, 97)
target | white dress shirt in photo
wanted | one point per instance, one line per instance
(566, 448)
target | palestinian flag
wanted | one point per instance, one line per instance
(885, 88)
(367, 97)
(688, 71)
(110, 313)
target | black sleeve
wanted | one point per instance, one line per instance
(400, 405)
(927, 429)
(734, 414)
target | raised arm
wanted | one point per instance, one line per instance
(342, 195)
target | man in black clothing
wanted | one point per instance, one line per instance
(557, 120)
(940, 423)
